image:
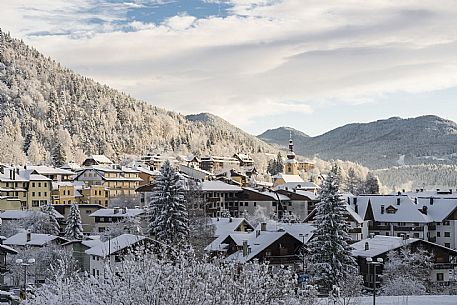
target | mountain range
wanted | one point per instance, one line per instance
(380, 144)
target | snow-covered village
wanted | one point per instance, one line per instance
(228, 152)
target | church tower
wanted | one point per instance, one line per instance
(291, 166)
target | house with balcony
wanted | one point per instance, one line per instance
(119, 181)
(379, 246)
(105, 217)
(219, 196)
(275, 243)
(392, 215)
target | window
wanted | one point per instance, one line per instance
(35, 203)
(387, 233)
(440, 277)
(39, 184)
(39, 194)
(447, 234)
(255, 203)
(447, 245)
(33, 184)
(273, 203)
(88, 211)
(446, 223)
(101, 229)
(438, 234)
(45, 194)
(45, 184)
(98, 272)
(33, 194)
(93, 272)
(416, 235)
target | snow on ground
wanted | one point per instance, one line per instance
(412, 300)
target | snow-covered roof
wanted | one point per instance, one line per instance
(310, 195)
(211, 186)
(406, 210)
(20, 214)
(20, 239)
(259, 241)
(7, 249)
(271, 194)
(129, 170)
(289, 178)
(380, 244)
(148, 171)
(101, 159)
(224, 226)
(48, 170)
(194, 172)
(114, 245)
(117, 212)
(438, 209)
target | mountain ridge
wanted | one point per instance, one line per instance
(427, 139)
(44, 105)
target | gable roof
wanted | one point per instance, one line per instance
(379, 244)
(227, 225)
(260, 240)
(20, 214)
(121, 212)
(438, 209)
(218, 186)
(20, 239)
(116, 244)
(407, 210)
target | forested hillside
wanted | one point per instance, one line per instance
(45, 107)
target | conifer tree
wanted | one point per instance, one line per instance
(167, 209)
(330, 253)
(74, 228)
(52, 226)
(58, 155)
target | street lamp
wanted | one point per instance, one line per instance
(25, 264)
(378, 262)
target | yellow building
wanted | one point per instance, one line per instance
(39, 192)
(10, 203)
(95, 195)
(63, 193)
(12, 185)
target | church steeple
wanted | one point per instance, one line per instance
(291, 166)
(291, 154)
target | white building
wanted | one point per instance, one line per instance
(111, 252)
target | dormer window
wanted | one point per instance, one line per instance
(391, 210)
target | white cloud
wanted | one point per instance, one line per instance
(254, 63)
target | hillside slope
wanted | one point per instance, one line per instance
(44, 106)
(385, 143)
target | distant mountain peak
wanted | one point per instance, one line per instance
(424, 139)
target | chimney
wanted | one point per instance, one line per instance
(382, 209)
(367, 246)
(28, 235)
(230, 219)
(431, 200)
(415, 200)
(422, 190)
(263, 226)
(424, 210)
(403, 191)
(245, 248)
(417, 190)
(437, 190)
(257, 233)
(398, 201)
(399, 193)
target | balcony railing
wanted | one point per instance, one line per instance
(379, 228)
(443, 266)
(412, 229)
(355, 230)
(283, 259)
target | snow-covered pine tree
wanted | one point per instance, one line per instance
(167, 209)
(74, 228)
(372, 184)
(53, 226)
(58, 155)
(330, 253)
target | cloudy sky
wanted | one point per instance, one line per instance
(312, 65)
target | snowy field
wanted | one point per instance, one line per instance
(412, 300)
